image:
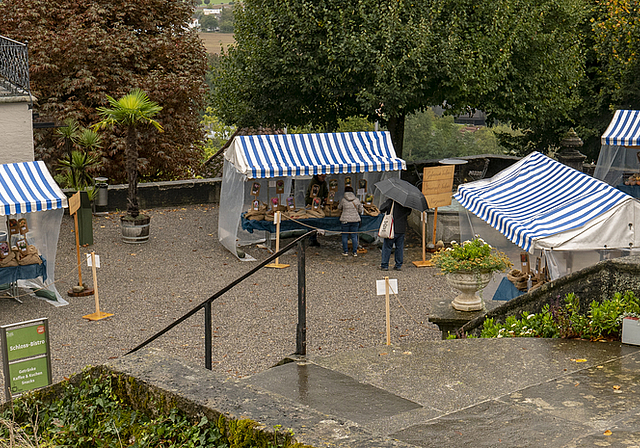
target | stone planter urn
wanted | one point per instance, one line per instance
(468, 283)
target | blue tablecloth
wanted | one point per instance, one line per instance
(506, 291)
(631, 190)
(12, 274)
(331, 224)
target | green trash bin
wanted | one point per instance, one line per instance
(85, 220)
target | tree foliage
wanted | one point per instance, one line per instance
(430, 137)
(617, 43)
(298, 62)
(217, 133)
(208, 23)
(79, 52)
(226, 20)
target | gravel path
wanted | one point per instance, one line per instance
(150, 285)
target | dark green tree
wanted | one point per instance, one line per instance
(208, 23)
(297, 63)
(227, 20)
(81, 51)
(430, 137)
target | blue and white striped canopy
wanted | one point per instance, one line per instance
(265, 156)
(624, 129)
(28, 187)
(537, 198)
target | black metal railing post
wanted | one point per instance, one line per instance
(208, 343)
(301, 330)
(206, 305)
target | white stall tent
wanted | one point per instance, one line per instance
(295, 158)
(27, 190)
(620, 150)
(541, 204)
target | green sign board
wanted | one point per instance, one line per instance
(26, 342)
(29, 374)
(26, 357)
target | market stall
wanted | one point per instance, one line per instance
(272, 172)
(545, 207)
(32, 204)
(619, 160)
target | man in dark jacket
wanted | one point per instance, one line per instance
(400, 215)
(323, 192)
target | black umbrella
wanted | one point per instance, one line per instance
(403, 193)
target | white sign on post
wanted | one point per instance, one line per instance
(393, 287)
(97, 257)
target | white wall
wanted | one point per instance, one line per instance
(16, 130)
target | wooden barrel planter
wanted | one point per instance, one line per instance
(135, 230)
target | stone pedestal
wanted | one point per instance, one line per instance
(572, 158)
(569, 155)
(449, 320)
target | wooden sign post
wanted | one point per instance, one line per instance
(386, 287)
(277, 216)
(387, 309)
(437, 183)
(80, 290)
(95, 262)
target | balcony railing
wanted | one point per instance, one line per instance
(14, 68)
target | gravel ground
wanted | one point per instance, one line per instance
(148, 286)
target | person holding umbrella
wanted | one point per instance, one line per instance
(402, 198)
(400, 215)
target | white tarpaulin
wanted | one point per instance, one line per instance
(539, 203)
(28, 191)
(620, 151)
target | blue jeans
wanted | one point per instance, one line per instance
(387, 245)
(350, 227)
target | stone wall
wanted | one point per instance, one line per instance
(598, 282)
(164, 194)
(16, 129)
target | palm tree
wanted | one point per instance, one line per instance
(81, 158)
(130, 111)
(77, 169)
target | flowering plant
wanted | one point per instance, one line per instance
(471, 256)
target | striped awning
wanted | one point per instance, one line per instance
(265, 156)
(539, 197)
(624, 129)
(28, 187)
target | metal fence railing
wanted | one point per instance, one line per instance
(301, 327)
(14, 68)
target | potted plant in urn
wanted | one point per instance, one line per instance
(130, 111)
(469, 267)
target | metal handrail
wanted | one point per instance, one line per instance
(301, 328)
(14, 67)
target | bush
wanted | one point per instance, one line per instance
(602, 320)
(90, 414)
